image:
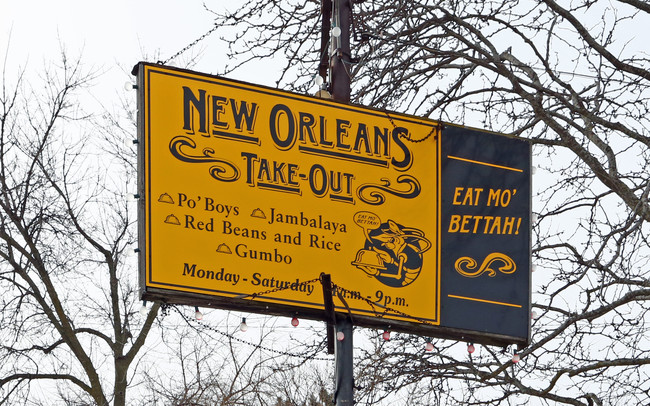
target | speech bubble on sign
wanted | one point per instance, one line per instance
(367, 220)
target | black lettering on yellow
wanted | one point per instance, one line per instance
(381, 139)
(342, 127)
(283, 130)
(218, 105)
(306, 124)
(192, 103)
(407, 158)
(246, 111)
(362, 138)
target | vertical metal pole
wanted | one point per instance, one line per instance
(344, 392)
(340, 77)
(340, 51)
(326, 22)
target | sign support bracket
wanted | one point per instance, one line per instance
(330, 316)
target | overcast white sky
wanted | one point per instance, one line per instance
(110, 36)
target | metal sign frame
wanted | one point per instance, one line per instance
(424, 226)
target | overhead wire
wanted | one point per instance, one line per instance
(189, 46)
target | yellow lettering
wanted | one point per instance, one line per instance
(484, 224)
(493, 196)
(476, 223)
(463, 226)
(477, 191)
(496, 224)
(508, 225)
(457, 193)
(488, 219)
(468, 197)
(454, 224)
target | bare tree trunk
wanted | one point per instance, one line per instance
(63, 233)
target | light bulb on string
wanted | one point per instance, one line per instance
(130, 142)
(295, 322)
(386, 335)
(428, 346)
(143, 309)
(471, 348)
(243, 326)
(318, 80)
(340, 336)
(197, 313)
(533, 315)
(515, 358)
(336, 32)
(132, 252)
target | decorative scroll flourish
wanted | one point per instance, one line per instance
(508, 267)
(224, 171)
(372, 194)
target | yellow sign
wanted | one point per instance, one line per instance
(251, 193)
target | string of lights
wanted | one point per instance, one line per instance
(339, 289)
(340, 292)
(285, 287)
(408, 137)
(194, 324)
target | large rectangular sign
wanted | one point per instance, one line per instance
(250, 194)
(485, 241)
